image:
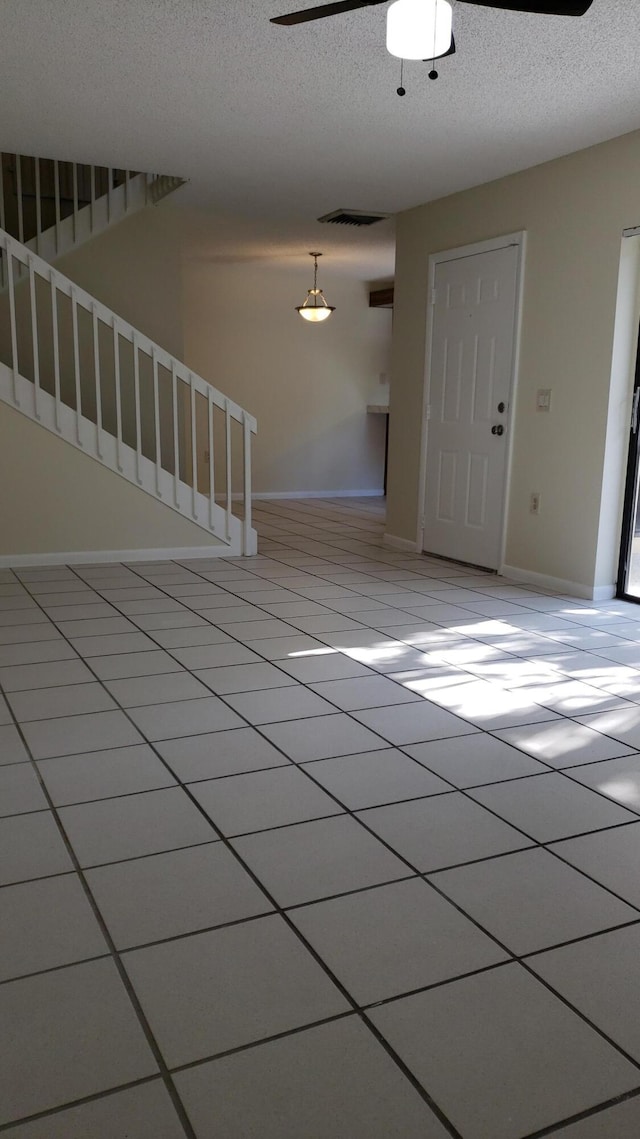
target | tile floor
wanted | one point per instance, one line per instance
(331, 843)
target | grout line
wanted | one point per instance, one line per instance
(106, 956)
(349, 1013)
(525, 957)
(590, 1113)
(25, 1119)
(114, 862)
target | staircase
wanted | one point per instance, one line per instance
(83, 373)
(52, 207)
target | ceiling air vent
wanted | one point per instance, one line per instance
(352, 217)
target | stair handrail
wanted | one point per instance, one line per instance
(57, 282)
(108, 316)
(94, 192)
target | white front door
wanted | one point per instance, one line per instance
(471, 369)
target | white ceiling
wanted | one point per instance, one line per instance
(275, 126)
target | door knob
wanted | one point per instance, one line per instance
(497, 429)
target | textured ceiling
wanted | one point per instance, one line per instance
(275, 126)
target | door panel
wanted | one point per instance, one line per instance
(446, 486)
(470, 371)
(476, 512)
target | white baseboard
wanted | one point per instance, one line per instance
(400, 543)
(89, 557)
(559, 584)
(269, 494)
(603, 592)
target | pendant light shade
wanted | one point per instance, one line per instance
(315, 312)
(419, 29)
(315, 308)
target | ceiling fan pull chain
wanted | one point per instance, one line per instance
(401, 90)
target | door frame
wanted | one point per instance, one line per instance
(631, 491)
(519, 240)
(623, 423)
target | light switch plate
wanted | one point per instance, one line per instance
(543, 399)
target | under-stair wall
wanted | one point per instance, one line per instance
(58, 505)
(113, 392)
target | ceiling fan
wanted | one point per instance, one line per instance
(422, 29)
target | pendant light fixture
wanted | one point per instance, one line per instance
(315, 308)
(419, 29)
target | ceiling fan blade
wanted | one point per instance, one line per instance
(538, 7)
(324, 10)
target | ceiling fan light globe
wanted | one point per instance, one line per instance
(419, 29)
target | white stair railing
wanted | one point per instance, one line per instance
(52, 206)
(81, 371)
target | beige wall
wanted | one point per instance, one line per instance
(58, 500)
(134, 269)
(574, 211)
(307, 385)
